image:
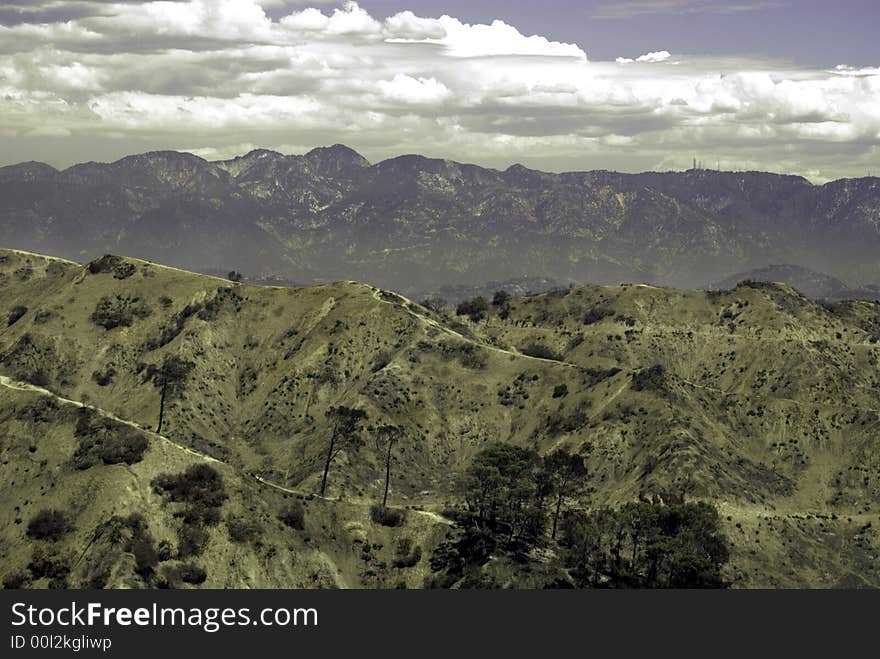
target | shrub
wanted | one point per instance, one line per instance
(650, 379)
(48, 524)
(145, 555)
(391, 517)
(15, 314)
(294, 516)
(243, 529)
(435, 304)
(501, 298)
(475, 308)
(103, 440)
(119, 311)
(560, 391)
(105, 378)
(199, 483)
(473, 357)
(406, 555)
(225, 299)
(557, 424)
(191, 540)
(192, 573)
(595, 314)
(45, 564)
(16, 580)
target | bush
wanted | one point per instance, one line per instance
(192, 573)
(501, 298)
(406, 555)
(105, 378)
(103, 440)
(226, 299)
(119, 311)
(435, 304)
(191, 540)
(475, 308)
(595, 314)
(650, 379)
(560, 391)
(49, 525)
(46, 564)
(294, 516)
(200, 483)
(16, 580)
(15, 314)
(108, 263)
(473, 357)
(243, 529)
(391, 517)
(145, 555)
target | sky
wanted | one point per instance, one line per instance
(790, 86)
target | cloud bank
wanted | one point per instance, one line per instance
(94, 80)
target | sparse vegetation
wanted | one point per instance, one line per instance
(119, 311)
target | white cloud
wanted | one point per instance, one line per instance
(213, 75)
(498, 39)
(406, 89)
(657, 56)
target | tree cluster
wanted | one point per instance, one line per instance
(646, 544)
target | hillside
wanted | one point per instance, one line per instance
(755, 399)
(417, 225)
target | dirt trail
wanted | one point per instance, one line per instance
(24, 386)
(377, 294)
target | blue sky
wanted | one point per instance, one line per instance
(807, 32)
(636, 85)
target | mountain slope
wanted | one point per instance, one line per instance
(417, 224)
(755, 399)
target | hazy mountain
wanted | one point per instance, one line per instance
(757, 400)
(815, 285)
(417, 224)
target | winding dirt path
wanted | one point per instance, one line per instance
(9, 383)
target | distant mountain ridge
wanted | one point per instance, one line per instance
(418, 224)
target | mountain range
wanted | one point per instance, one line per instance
(417, 225)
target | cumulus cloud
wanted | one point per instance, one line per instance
(214, 75)
(656, 56)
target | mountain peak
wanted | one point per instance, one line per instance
(336, 158)
(27, 171)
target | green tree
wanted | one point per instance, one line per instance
(565, 474)
(475, 308)
(501, 492)
(646, 544)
